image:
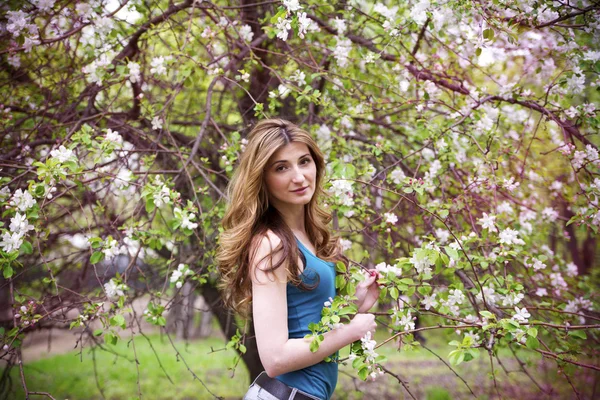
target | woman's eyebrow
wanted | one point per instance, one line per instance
(279, 161)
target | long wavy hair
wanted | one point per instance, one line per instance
(249, 215)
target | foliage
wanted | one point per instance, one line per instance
(461, 143)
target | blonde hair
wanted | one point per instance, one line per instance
(249, 216)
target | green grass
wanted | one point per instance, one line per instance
(71, 375)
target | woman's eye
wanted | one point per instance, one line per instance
(307, 160)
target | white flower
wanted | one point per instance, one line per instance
(346, 244)
(510, 184)
(11, 242)
(292, 5)
(521, 315)
(421, 262)
(390, 218)
(283, 27)
(157, 123)
(417, 13)
(541, 292)
(134, 71)
(44, 5)
(397, 176)
(324, 135)
(158, 66)
(537, 264)
(504, 207)
(407, 321)
(549, 214)
(572, 269)
(489, 293)
(4, 193)
(113, 290)
(487, 222)
(22, 200)
(456, 297)
(20, 224)
(283, 91)
(591, 55)
(429, 301)
(62, 154)
(103, 25)
(246, 33)
(112, 249)
(299, 77)
(123, 178)
(14, 60)
(509, 236)
(339, 25)
(85, 10)
(512, 298)
(186, 221)
(162, 197)
(343, 190)
(113, 136)
(306, 24)
(557, 280)
(572, 112)
(17, 21)
(341, 51)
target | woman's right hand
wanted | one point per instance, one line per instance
(361, 324)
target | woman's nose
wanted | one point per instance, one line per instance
(298, 176)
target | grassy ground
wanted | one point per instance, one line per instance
(71, 375)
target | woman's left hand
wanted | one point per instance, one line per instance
(368, 291)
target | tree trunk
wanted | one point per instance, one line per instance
(228, 326)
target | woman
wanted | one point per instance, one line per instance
(277, 255)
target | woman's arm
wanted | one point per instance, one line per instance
(277, 352)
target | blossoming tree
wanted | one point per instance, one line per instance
(461, 141)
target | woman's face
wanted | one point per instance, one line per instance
(290, 168)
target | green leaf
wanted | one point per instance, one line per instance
(26, 248)
(96, 257)
(487, 314)
(532, 343)
(98, 332)
(394, 292)
(8, 272)
(150, 205)
(118, 320)
(532, 332)
(314, 345)
(456, 356)
(363, 373)
(578, 334)
(451, 252)
(340, 282)
(110, 338)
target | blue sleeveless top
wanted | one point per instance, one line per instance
(305, 307)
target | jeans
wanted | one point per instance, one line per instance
(256, 392)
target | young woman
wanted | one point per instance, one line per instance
(277, 257)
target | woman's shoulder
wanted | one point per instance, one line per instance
(266, 241)
(263, 246)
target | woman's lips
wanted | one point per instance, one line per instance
(300, 190)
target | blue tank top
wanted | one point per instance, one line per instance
(305, 307)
